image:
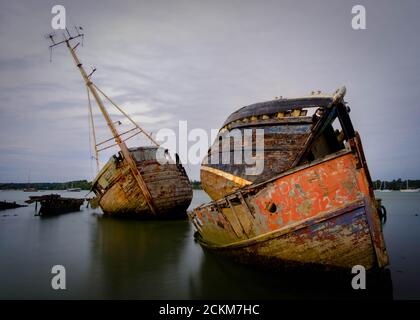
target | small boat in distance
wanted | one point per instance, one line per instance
(384, 188)
(320, 213)
(29, 188)
(72, 189)
(408, 189)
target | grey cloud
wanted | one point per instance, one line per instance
(200, 61)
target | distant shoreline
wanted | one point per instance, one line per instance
(82, 184)
(395, 185)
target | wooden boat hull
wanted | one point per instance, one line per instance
(338, 243)
(286, 129)
(4, 205)
(49, 208)
(118, 194)
(54, 204)
(283, 140)
(322, 214)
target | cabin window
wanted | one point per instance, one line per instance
(330, 141)
(141, 155)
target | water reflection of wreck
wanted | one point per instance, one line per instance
(129, 261)
(220, 278)
(318, 206)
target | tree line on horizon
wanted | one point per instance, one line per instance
(196, 185)
(82, 184)
(396, 184)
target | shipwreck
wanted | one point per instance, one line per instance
(53, 204)
(313, 204)
(5, 205)
(140, 182)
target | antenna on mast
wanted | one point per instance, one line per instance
(90, 74)
(51, 37)
(67, 37)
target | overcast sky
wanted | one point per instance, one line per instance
(165, 61)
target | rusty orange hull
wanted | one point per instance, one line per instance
(321, 214)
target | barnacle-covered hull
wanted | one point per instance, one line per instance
(118, 194)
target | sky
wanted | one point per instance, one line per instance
(198, 61)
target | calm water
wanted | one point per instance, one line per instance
(119, 259)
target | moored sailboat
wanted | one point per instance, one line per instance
(407, 189)
(30, 188)
(383, 188)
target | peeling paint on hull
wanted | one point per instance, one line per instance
(282, 143)
(118, 193)
(320, 214)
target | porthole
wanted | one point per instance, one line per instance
(272, 207)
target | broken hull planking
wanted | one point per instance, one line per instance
(310, 244)
(51, 209)
(321, 214)
(118, 193)
(54, 204)
(283, 141)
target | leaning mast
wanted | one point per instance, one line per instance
(117, 137)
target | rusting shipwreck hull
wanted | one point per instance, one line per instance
(118, 193)
(55, 204)
(286, 127)
(5, 205)
(321, 212)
